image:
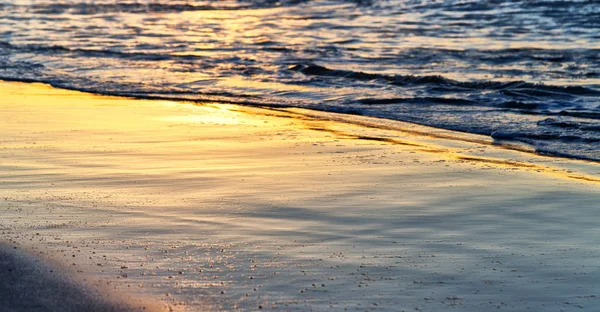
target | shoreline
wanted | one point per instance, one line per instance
(225, 207)
(360, 120)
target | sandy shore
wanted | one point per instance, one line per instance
(212, 207)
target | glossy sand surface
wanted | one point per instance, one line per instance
(211, 207)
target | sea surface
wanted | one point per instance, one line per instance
(525, 72)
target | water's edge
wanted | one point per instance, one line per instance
(396, 126)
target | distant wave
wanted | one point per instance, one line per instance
(58, 49)
(91, 8)
(104, 7)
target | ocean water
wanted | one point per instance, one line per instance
(524, 72)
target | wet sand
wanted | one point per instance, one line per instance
(222, 207)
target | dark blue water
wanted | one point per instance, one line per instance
(518, 71)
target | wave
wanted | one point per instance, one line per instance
(520, 87)
(58, 49)
(103, 7)
(91, 8)
(411, 57)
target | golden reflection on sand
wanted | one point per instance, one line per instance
(137, 115)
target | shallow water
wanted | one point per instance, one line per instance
(526, 71)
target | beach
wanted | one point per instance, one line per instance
(203, 207)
